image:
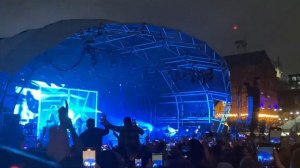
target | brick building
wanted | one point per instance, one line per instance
(245, 69)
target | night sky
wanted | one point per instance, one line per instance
(271, 25)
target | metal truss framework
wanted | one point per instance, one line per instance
(172, 52)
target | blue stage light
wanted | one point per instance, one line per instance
(48, 98)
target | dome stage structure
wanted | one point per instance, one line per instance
(155, 74)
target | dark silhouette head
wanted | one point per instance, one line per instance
(127, 122)
(196, 150)
(90, 123)
(248, 162)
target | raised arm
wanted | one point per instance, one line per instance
(77, 142)
(104, 131)
(108, 125)
(115, 128)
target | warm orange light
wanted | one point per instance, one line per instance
(267, 116)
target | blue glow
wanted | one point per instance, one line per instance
(111, 139)
(24, 107)
(169, 131)
(275, 140)
(40, 83)
(157, 163)
(40, 106)
(262, 105)
(156, 74)
(157, 159)
(250, 110)
(35, 93)
(265, 156)
(82, 105)
(145, 125)
(89, 162)
(242, 136)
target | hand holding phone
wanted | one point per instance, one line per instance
(275, 136)
(277, 161)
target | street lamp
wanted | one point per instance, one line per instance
(297, 112)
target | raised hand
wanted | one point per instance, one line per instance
(104, 120)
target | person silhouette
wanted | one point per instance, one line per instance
(128, 134)
(92, 137)
(58, 143)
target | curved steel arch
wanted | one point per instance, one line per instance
(179, 53)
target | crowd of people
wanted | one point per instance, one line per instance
(65, 147)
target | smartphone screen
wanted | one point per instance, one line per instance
(275, 136)
(185, 149)
(211, 140)
(168, 147)
(89, 158)
(138, 163)
(265, 156)
(242, 136)
(157, 160)
(104, 148)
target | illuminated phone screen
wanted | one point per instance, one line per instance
(89, 158)
(275, 136)
(265, 156)
(157, 159)
(168, 147)
(138, 163)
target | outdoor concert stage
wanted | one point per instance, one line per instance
(158, 75)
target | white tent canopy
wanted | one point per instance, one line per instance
(290, 124)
